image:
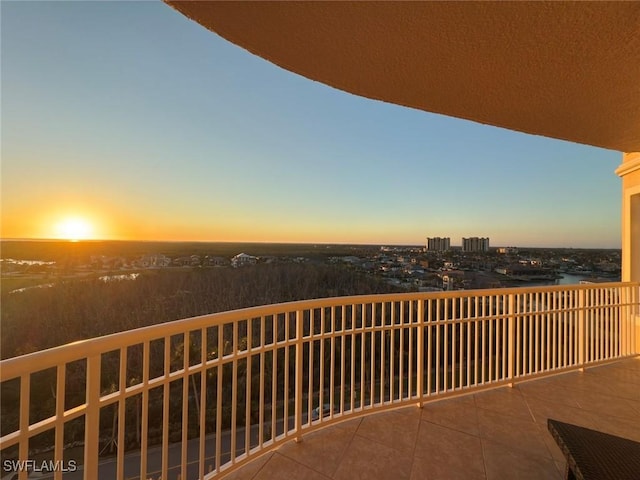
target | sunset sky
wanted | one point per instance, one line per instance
(126, 120)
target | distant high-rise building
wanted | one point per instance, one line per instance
(475, 244)
(438, 244)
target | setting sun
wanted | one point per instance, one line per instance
(74, 229)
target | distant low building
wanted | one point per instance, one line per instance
(243, 259)
(182, 261)
(507, 250)
(214, 261)
(452, 279)
(351, 259)
(526, 272)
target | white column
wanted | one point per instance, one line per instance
(629, 171)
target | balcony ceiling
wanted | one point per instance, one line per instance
(567, 70)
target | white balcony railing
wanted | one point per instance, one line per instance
(199, 397)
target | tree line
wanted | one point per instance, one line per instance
(77, 309)
(72, 310)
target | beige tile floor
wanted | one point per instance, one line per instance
(496, 434)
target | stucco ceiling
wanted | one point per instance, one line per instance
(568, 70)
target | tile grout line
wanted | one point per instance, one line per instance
(344, 452)
(484, 457)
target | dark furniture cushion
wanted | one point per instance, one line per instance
(594, 455)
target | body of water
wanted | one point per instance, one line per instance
(569, 279)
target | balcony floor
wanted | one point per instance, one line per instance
(494, 434)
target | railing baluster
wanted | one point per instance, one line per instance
(322, 357)
(414, 325)
(332, 363)
(185, 404)
(310, 373)
(429, 353)
(626, 316)
(343, 355)
(483, 346)
(363, 325)
(581, 329)
(633, 318)
(536, 340)
(59, 429)
(548, 302)
(556, 298)
(263, 380)
(570, 329)
(144, 405)
(299, 369)
(590, 330)
(461, 328)
(482, 306)
(372, 379)
(392, 343)
(530, 308)
(634, 321)
(468, 328)
(25, 407)
(614, 322)
(219, 375)
(420, 354)
(383, 332)
(595, 344)
(287, 371)
(620, 318)
(496, 353)
(490, 353)
(609, 323)
(512, 338)
(603, 317)
(352, 388)
(401, 366)
(438, 327)
(454, 353)
(203, 402)
(506, 355)
(92, 418)
(274, 379)
(166, 397)
(447, 362)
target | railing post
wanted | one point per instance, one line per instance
(511, 313)
(631, 320)
(623, 318)
(582, 341)
(635, 313)
(92, 418)
(25, 408)
(420, 355)
(299, 373)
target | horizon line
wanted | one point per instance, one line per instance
(97, 240)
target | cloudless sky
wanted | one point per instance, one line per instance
(150, 127)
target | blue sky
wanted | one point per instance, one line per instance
(148, 126)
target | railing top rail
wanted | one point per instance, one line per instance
(41, 360)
